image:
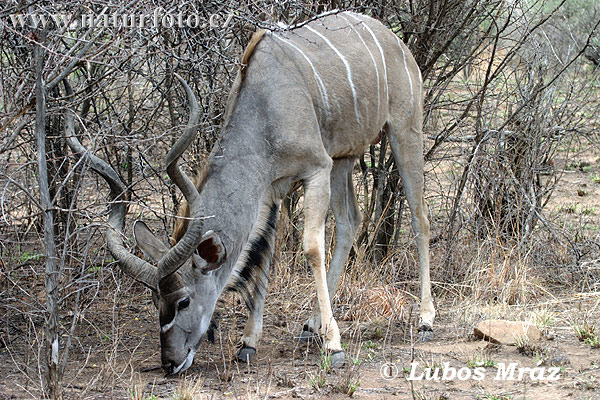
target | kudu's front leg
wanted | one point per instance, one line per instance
(258, 258)
(254, 324)
(347, 220)
(316, 204)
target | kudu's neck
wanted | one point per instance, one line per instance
(238, 180)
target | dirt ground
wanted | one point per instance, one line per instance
(115, 347)
(118, 357)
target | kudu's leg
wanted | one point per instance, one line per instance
(406, 141)
(254, 324)
(262, 240)
(347, 220)
(316, 205)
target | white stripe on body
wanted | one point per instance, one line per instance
(320, 84)
(348, 70)
(387, 94)
(372, 59)
(412, 94)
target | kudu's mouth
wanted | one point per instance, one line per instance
(189, 359)
(185, 364)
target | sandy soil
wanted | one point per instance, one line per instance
(117, 357)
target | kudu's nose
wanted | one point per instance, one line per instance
(169, 368)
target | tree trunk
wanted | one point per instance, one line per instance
(51, 345)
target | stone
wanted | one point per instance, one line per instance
(506, 332)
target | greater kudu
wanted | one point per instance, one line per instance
(306, 103)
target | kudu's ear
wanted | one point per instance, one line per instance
(151, 246)
(212, 251)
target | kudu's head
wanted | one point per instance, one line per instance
(185, 297)
(183, 277)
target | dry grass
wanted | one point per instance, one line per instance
(189, 388)
(502, 275)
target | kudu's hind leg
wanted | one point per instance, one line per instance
(406, 141)
(347, 220)
(316, 204)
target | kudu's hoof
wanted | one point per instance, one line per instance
(425, 332)
(308, 335)
(338, 359)
(246, 354)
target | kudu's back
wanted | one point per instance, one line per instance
(347, 69)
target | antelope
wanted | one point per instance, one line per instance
(304, 106)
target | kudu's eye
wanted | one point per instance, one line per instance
(183, 304)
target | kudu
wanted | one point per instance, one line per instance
(306, 103)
